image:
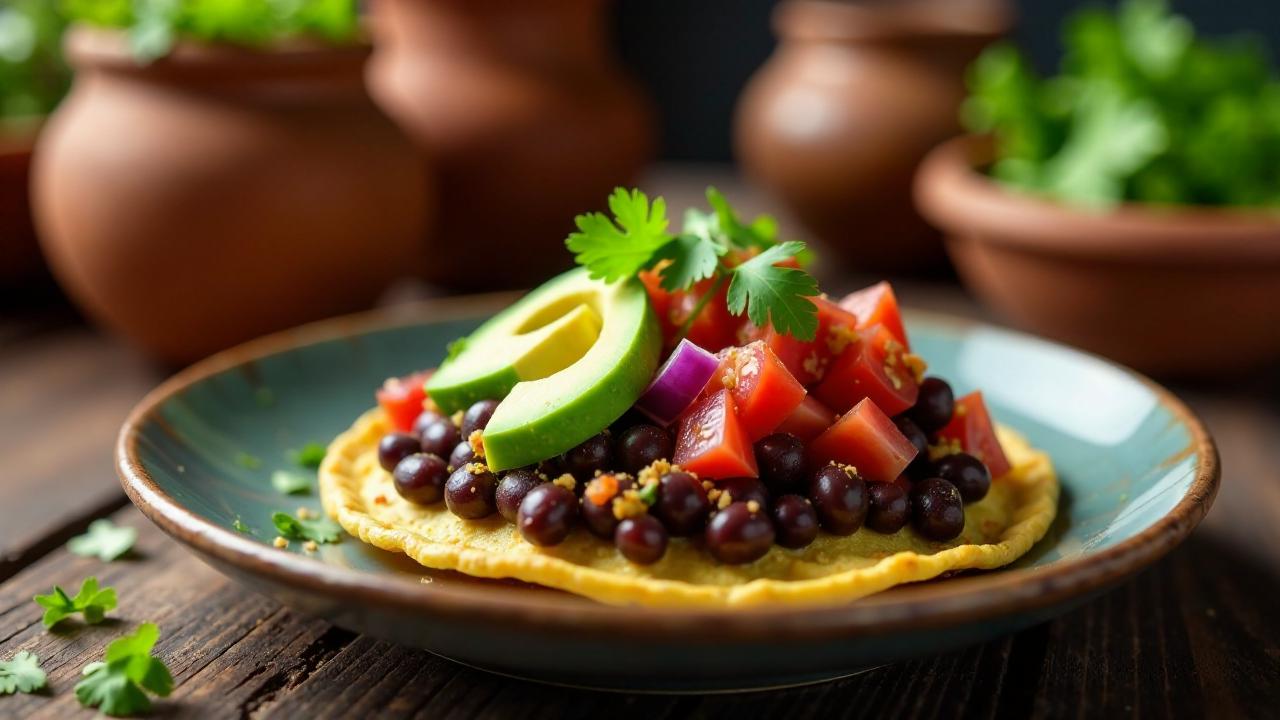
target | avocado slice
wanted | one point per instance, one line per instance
(567, 359)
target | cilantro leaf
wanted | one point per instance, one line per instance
(321, 530)
(239, 526)
(247, 461)
(777, 295)
(288, 482)
(105, 541)
(118, 684)
(690, 258)
(309, 455)
(21, 674)
(761, 233)
(614, 249)
(92, 602)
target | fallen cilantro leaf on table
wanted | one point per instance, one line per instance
(21, 674)
(288, 482)
(92, 602)
(118, 685)
(247, 461)
(321, 530)
(309, 455)
(105, 541)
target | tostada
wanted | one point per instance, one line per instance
(685, 420)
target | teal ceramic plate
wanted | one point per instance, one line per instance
(1138, 472)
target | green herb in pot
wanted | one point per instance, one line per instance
(33, 77)
(1141, 110)
(154, 25)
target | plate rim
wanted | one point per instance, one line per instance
(984, 596)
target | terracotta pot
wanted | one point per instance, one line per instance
(1181, 291)
(21, 266)
(220, 193)
(527, 121)
(837, 120)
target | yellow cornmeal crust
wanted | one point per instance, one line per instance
(360, 495)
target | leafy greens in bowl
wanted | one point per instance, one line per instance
(1142, 110)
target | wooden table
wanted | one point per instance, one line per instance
(1197, 634)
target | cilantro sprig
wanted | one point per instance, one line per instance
(92, 602)
(21, 674)
(118, 685)
(105, 541)
(321, 530)
(710, 246)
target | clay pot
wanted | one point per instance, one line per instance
(220, 193)
(1172, 291)
(21, 266)
(835, 123)
(526, 118)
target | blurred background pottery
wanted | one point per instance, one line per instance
(21, 266)
(219, 193)
(835, 123)
(1170, 290)
(525, 117)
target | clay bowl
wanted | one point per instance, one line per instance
(1138, 473)
(1172, 291)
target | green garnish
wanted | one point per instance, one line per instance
(309, 455)
(21, 674)
(649, 494)
(92, 602)
(118, 685)
(239, 526)
(247, 461)
(321, 529)
(636, 239)
(105, 541)
(288, 482)
(1141, 110)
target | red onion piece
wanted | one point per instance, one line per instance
(678, 382)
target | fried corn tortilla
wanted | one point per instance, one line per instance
(1001, 527)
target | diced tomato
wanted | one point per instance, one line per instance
(402, 398)
(714, 328)
(764, 393)
(711, 442)
(868, 440)
(808, 361)
(971, 426)
(875, 368)
(808, 420)
(660, 299)
(877, 305)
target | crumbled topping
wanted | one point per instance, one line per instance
(476, 441)
(475, 468)
(310, 546)
(566, 481)
(655, 470)
(729, 379)
(726, 499)
(892, 374)
(813, 365)
(456, 419)
(280, 542)
(916, 366)
(629, 504)
(840, 337)
(714, 493)
(753, 506)
(601, 490)
(944, 448)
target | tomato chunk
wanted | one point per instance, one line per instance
(808, 420)
(876, 368)
(972, 428)
(660, 299)
(711, 442)
(402, 398)
(868, 440)
(714, 328)
(808, 361)
(764, 393)
(877, 305)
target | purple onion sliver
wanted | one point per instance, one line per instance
(678, 382)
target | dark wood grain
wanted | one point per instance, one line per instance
(1196, 635)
